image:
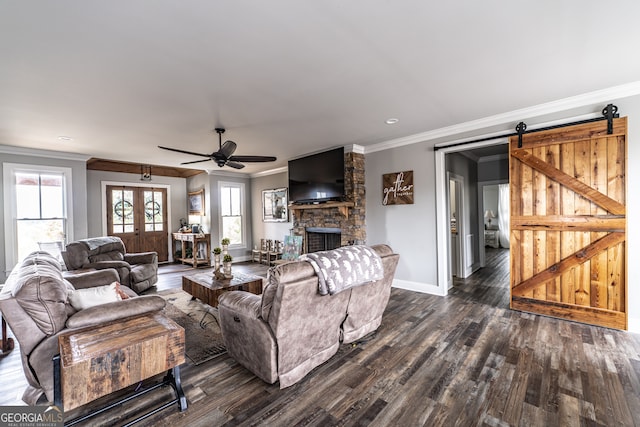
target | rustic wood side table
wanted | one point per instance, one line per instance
(95, 362)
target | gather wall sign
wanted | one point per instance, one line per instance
(397, 188)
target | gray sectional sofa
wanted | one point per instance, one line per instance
(290, 329)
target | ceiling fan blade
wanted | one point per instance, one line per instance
(183, 151)
(195, 161)
(253, 158)
(227, 149)
(234, 165)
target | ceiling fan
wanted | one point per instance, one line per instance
(224, 156)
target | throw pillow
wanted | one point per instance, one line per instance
(89, 297)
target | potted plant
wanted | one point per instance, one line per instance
(225, 244)
(216, 257)
(226, 263)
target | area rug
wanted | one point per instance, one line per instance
(203, 338)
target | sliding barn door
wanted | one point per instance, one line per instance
(568, 223)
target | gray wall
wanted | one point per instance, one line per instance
(79, 178)
(409, 229)
(267, 230)
(494, 170)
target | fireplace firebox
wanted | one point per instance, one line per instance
(322, 238)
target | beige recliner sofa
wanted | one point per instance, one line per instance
(139, 271)
(290, 329)
(34, 303)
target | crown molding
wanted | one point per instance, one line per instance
(269, 172)
(217, 172)
(34, 152)
(590, 98)
(354, 148)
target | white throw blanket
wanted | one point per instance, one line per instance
(345, 267)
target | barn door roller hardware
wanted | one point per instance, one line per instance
(609, 113)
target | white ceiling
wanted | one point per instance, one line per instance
(288, 78)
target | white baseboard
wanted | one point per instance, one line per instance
(634, 324)
(424, 288)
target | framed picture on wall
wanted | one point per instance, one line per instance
(274, 205)
(196, 202)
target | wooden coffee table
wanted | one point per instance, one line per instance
(207, 289)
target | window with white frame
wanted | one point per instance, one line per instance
(37, 206)
(232, 212)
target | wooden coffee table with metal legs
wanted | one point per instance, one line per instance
(207, 289)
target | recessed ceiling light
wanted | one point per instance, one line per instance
(65, 138)
(391, 121)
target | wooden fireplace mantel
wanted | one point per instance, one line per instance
(343, 207)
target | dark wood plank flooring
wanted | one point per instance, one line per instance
(465, 359)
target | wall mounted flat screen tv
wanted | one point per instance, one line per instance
(317, 178)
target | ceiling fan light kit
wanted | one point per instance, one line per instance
(224, 156)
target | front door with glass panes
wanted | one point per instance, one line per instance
(138, 216)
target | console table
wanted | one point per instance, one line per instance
(192, 241)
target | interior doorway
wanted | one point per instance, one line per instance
(485, 151)
(457, 214)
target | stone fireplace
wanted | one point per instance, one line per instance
(349, 222)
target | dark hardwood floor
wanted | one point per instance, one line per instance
(465, 359)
